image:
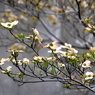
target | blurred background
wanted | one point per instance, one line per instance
(56, 20)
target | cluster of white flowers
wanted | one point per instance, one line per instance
(65, 50)
(88, 75)
(69, 53)
(38, 59)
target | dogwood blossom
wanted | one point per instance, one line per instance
(71, 57)
(37, 35)
(72, 50)
(8, 69)
(88, 54)
(61, 64)
(26, 61)
(66, 45)
(38, 58)
(92, 48)
(3, 60)
(88, 75)
(52, 45)
(86, 64)
(20, 2)
(9, 25)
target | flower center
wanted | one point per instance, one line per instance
(9, 24)
(89, 75)
(85, 64)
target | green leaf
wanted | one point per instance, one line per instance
(53, 71)
(21, 36)
(45, 64)
(40, 73)
(66, 86)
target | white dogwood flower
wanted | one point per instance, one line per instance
(8, 68)
(26, 61)
(86, 64)
(37, 35)
(89, 75)
(9, 25)
(3, 60)
(66, 45)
